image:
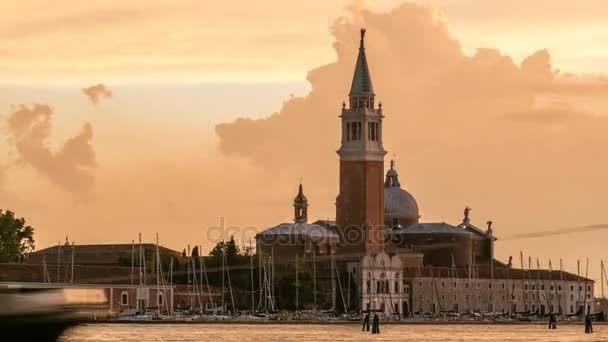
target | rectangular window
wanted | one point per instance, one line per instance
(353, 127)
(124, 298)
(396, 287)
(358, 130)
(348, 135)
(374, 131)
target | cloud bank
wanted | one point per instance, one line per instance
(71, 167)
(462, 127)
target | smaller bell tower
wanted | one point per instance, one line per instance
(300, 207)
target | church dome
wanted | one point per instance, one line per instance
(400, 207)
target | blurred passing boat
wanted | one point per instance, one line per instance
(43, 314)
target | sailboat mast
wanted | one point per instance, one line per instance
(230, 285)
(297, 286)
(140, 262)
(223, 272)
(258, 251)
(132, 260)
(58, 259)
(157, 274)
(272, 294)
(586, 277)
(578, 283)
(523, 275)
(602, 276)
(72, 273)
(207, 279)
(251, 271)
(314, 277)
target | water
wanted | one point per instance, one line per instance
(341, 332)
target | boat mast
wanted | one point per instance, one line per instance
(197, 288)
(58, 260)
(314, 277)
(251, 271)
(223, 274)
(207, 279)
(146, 290)
(188, 258)
(229, 284)
(297, 286)
(72, 273)
(157, 279)
(258, 251)
(469, 285)
(272, 294)
(602, 276)
(524, 293)
(132, 259)
(578, 284)
(585, 311)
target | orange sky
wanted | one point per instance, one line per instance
(194, 40)
(499, 129)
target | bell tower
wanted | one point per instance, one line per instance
(360, 203)
(300, 207)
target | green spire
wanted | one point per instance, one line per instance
(362, 81)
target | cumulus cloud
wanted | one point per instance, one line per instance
(72, 167)
(461, 125)
(97, 92)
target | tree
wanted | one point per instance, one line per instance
(231, 249)
(16, 238)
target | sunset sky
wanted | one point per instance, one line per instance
(198, 110)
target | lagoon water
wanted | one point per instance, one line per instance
(332, 332)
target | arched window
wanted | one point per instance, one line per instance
(124, 298)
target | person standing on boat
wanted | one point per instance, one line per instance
(365, 323)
